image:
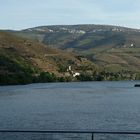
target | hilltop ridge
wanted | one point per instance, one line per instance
(112, 47)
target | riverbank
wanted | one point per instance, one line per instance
(46, 77)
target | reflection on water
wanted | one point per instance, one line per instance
(71, 106)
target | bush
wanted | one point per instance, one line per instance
(47, 77)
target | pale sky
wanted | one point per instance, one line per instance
(21, 14)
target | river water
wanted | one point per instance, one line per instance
(103, 106)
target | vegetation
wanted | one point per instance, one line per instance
(109, 76)
(114, 48)
(96, 52)
(16, 71)
(23, 61)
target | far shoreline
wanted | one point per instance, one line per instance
(27, 84)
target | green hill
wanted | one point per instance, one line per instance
(110, 47)
(24, 61)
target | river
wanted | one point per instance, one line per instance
(104, 106)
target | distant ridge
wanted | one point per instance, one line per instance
(112, 47)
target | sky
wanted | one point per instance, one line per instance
(22, 14)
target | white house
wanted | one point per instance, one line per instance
(76, 74)
(132, 45)
(69, 68)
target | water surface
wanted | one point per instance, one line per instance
(71, 106)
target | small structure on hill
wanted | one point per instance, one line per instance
(132, 45)
(73, 73)
(76, 74)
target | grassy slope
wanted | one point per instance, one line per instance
(26, 53)
(105, 48)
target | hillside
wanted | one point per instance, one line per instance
(22, 58)
(112, 47)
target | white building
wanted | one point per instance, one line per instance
(69, 68)
(132, 45)
(76, 74)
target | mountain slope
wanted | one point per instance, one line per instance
(112, 47)
(23, 56)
